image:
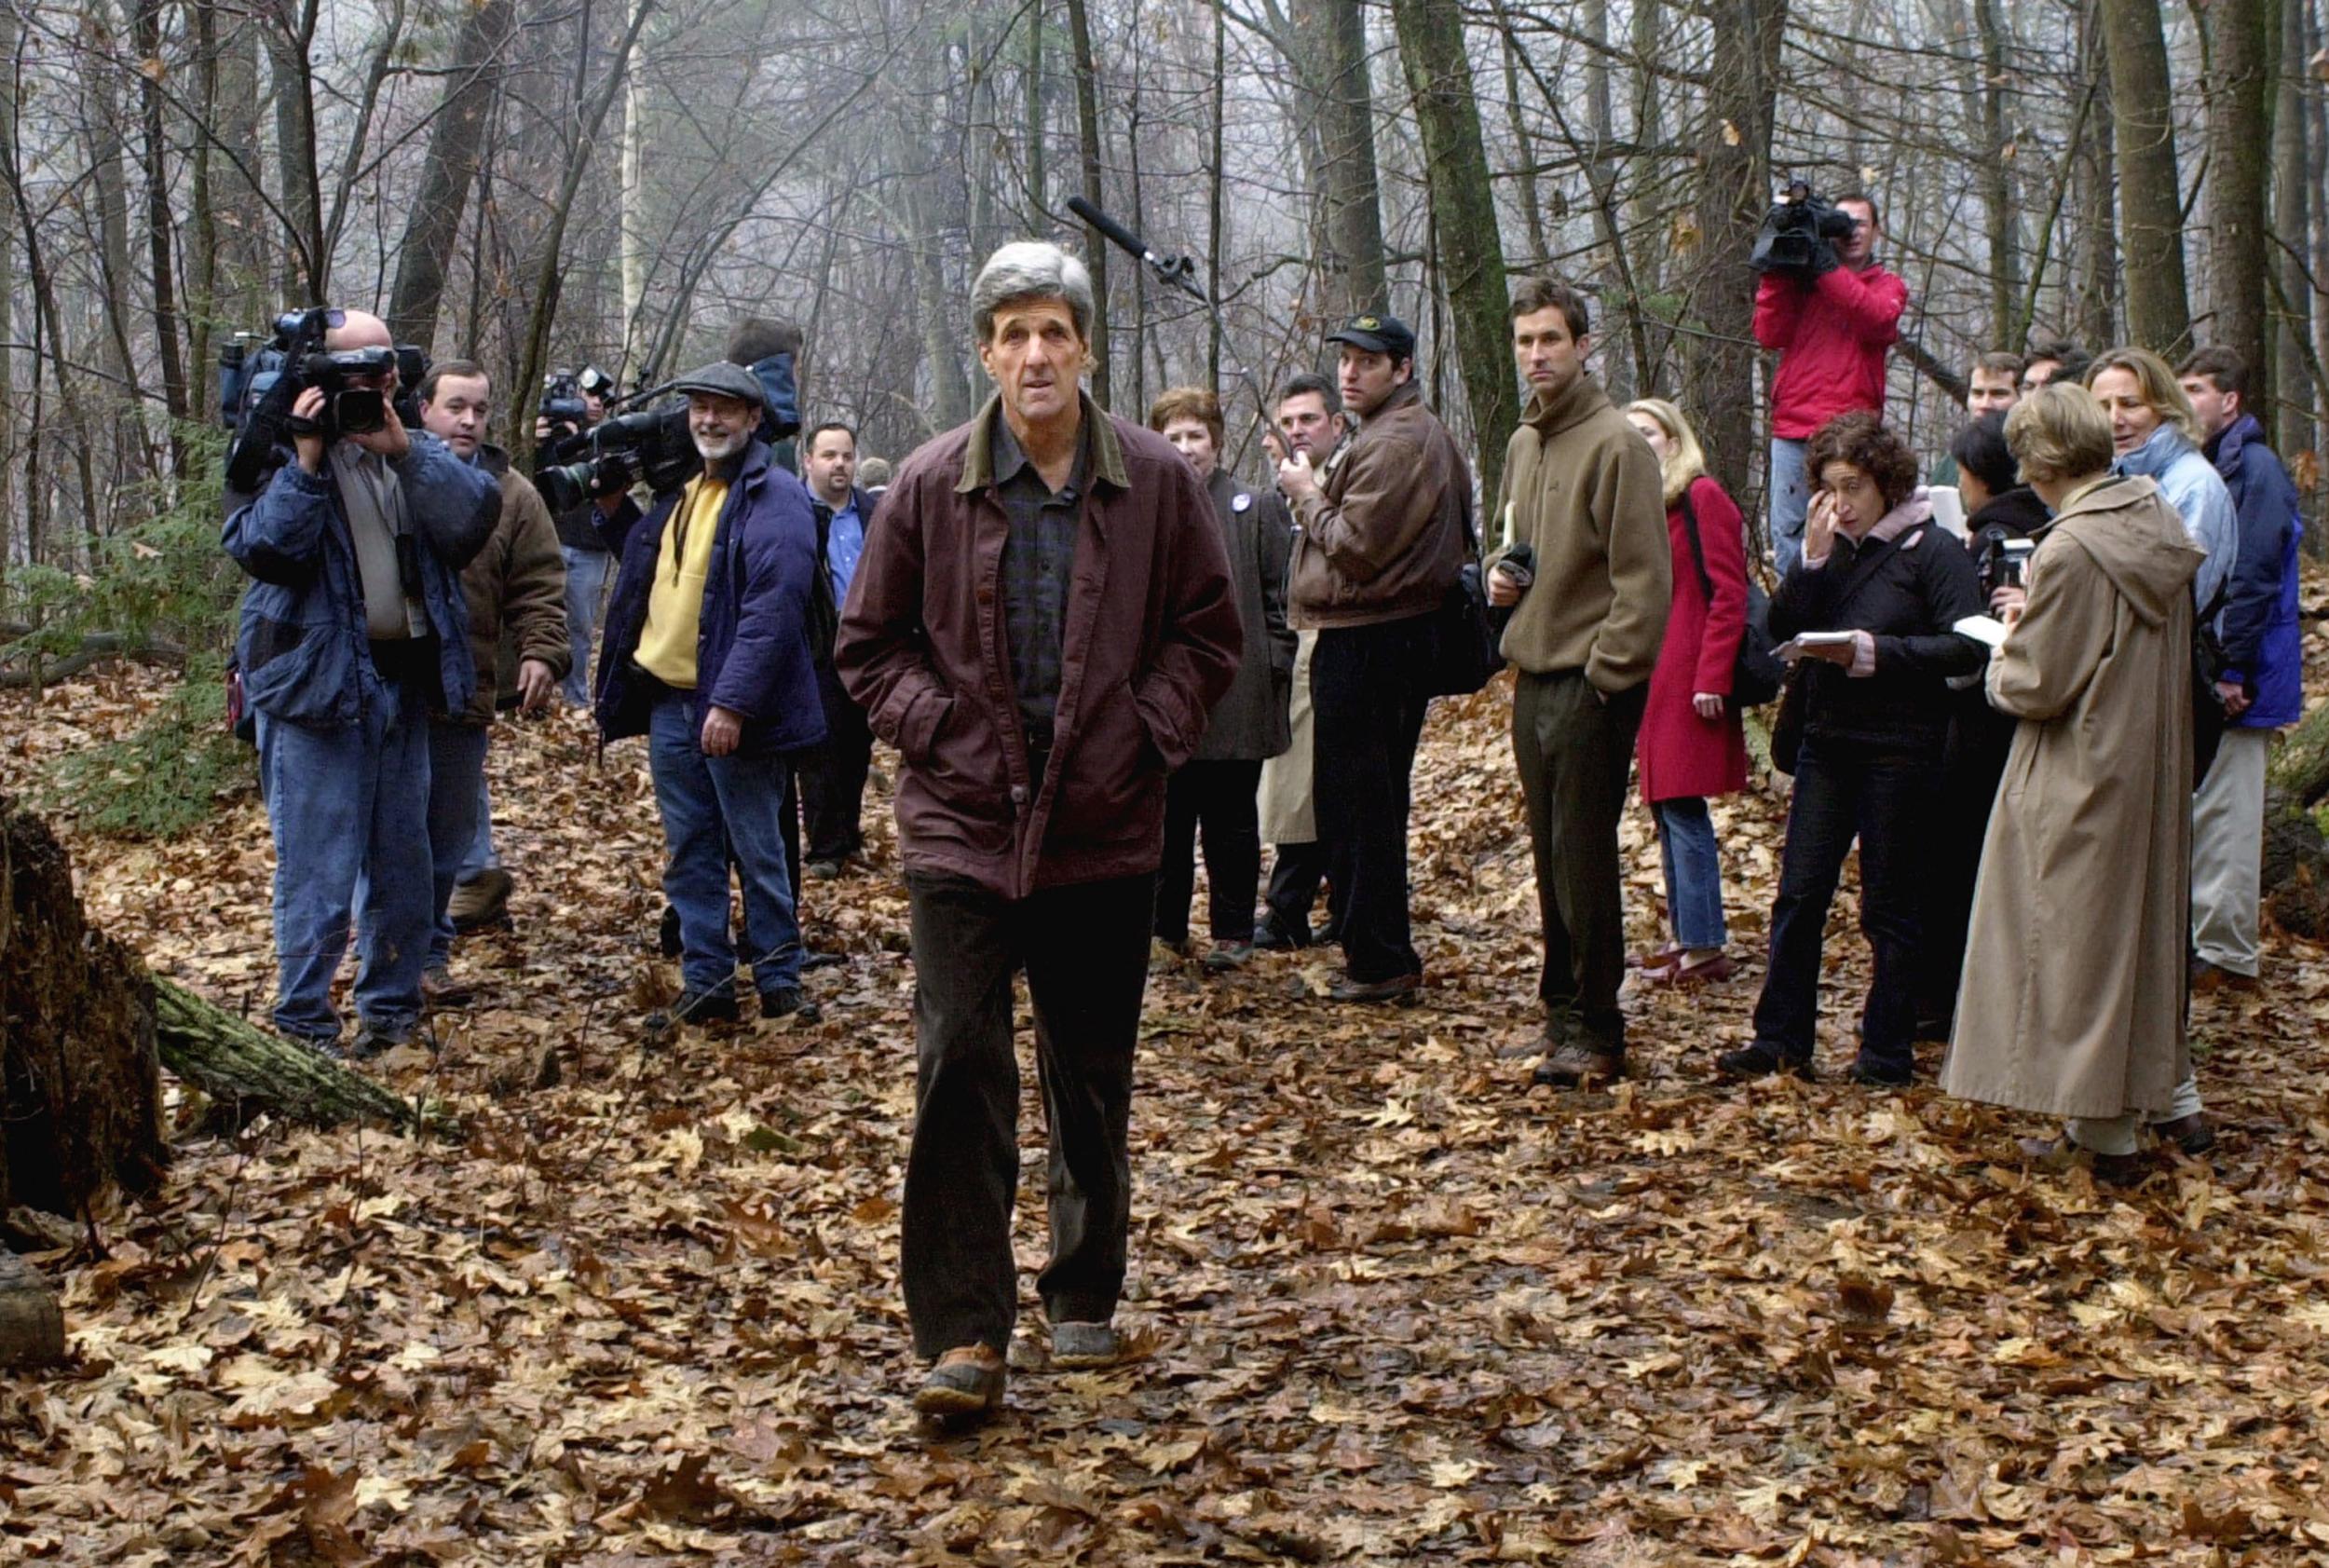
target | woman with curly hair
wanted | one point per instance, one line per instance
(1883, 584)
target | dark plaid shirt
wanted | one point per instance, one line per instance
(1039, 557)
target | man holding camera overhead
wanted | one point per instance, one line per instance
(1830, 311)
(707, 654)
(572, 404)
(353, 631)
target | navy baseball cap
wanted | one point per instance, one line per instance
(1377, 334)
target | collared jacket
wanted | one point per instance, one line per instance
(753, 643)
(1382, 539)
(2196, 491)
(2263, 643)
(1249, 723)
(1831, 334)
(517, 584)
(1151, 644)
(302, 649)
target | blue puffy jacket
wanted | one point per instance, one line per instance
(2199, 497)
(2263, 642)
(302, 649)
(753, 652)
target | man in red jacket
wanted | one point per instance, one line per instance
(1831, 327)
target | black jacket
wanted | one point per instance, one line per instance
(1908, 593)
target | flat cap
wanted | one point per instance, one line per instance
(722, 379)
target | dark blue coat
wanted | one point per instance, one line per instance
(2263, 642)
(302, 649)
(753, 653)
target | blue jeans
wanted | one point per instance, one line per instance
(350, 809)
(457, 800)
(712, 805)
(586, 585)
(479, 857)
(1790, 503)
(1693, 872)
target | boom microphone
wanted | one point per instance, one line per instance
(1176, 270)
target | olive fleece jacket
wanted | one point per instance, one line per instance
(1582, 489)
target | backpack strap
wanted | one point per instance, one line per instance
(1697, 547)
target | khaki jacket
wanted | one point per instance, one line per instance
(517, 583)
(1383, 537)
(1581, 488)
(2072, 999)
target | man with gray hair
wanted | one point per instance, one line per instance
(1040, 623)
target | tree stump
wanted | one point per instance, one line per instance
(2296, 868)
(80, 1092)
(31, 1328)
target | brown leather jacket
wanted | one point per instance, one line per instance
(516, 589)
(1384, 539)
(1153, 640)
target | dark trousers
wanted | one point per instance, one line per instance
(833, 779)
(1366, 703)
(1574, 747)
(1295, 875)
(1217, 796)
(1085, 950)
(1883, 797)
(1979, 745)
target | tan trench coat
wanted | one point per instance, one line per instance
(1287, 815)
(2072, 999)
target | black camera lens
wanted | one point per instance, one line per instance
(360, 411)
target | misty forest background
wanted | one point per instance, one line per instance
(545, 183)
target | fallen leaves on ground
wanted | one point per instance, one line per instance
(1389, 1304)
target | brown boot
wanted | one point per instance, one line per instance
(481, 901)
(966, 1383)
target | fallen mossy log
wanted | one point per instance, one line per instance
(2295, 864)
(248, 1069)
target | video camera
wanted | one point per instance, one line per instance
(653, 444)
(2001, 559)
(257, 387)
(1800, 234)
(564, 391)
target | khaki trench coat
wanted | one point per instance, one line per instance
(2072, 999)
(1287, 813)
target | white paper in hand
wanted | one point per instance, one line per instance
(1987, 630)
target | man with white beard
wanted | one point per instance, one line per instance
(707, 654)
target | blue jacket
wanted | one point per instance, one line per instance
(305, 655)
(753, 653)
(2191, 486)
(2263, 642)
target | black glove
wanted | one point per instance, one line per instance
(1823, 258)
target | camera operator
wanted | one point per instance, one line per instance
(518, 583)
(581, 544)
(353, 630)
(1832, 321)
(707, 653)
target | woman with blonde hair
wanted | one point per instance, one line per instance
(2072, 1000)
(2154, 433)
(1691, 746)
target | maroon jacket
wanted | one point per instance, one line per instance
(1153, 641)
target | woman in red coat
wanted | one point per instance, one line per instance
(1691, 746)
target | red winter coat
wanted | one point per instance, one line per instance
(1682, 755)
(1832, 335)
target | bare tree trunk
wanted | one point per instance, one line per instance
(1332, 61)
(161, 229)
(1734, 193)
(308, 263)
(2240, 150)
(2005, 221)
(1532, 209)
(630, 220)
(2159, 307)
(457, 141)
(1469, 248)
(1096, 248)
(2293, 204)
(1037, 183)
(2094, 319)
(1216, 216)
(9, 457)
(550, 269)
